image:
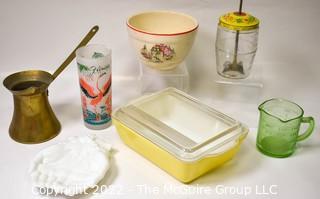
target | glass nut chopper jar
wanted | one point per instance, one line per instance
(236, 44)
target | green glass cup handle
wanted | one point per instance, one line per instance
(308, 132)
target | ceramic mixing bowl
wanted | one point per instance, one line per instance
(162, 39)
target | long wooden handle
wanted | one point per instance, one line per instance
(69, 59)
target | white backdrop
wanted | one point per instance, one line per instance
(40, 34)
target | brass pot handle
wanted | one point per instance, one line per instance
(84, 41)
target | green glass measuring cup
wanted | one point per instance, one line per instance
(279, 127)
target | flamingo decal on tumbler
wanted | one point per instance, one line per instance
(89, 91)
(95, 98)
(95, 87)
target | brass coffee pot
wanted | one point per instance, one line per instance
(33, 120)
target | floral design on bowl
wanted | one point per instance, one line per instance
(158, 53)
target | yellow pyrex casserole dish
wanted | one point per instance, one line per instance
(178, 133)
